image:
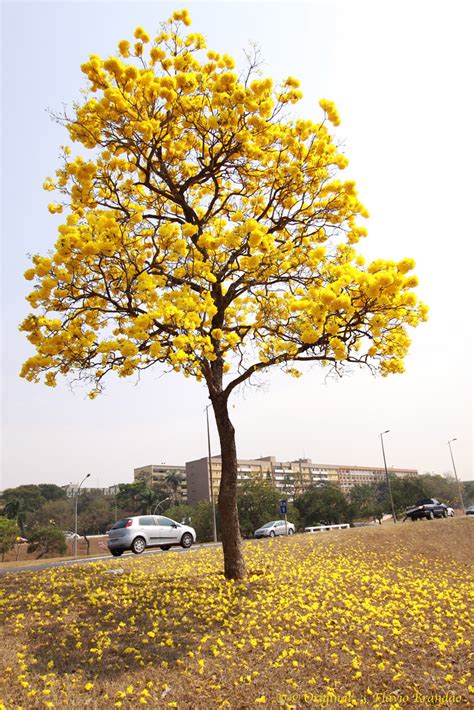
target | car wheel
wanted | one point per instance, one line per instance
(186, 540)
(116, 553)
(290, 531)
(430, 515)
(272, 533)
(138, 545)
(165, 547)
(445, 513)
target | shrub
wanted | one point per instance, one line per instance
(46, 540)
(8, 534)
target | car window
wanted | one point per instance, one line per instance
(146, 520)
(167, 522)
(269, 525)
(120, 524)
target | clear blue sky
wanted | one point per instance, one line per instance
(400, 74)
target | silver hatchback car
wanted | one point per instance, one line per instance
(141, 531)
(276, 527)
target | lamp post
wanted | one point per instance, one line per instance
(456, 475)
(211, 484)
(75, 514)
(387, 476)
(161, 501)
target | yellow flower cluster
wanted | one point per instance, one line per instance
(200, 212)
(331, 111)
(354, 616)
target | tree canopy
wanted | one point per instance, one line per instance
(201, 227)
(257, 502)
(46, 540)
(9, 533)
(325, 504)
(209, 232)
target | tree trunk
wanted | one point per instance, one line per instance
(234, 567)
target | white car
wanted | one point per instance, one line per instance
(276, 527)
(450, 512)
(71, 535)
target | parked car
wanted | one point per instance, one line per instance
(276, 527)
(141, 531)
(71, 535)
(470, 510)
(428, 508)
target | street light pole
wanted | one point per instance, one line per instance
(387, 476)
(161, 501)
(75, 514)
(456, 475)
(211, 484)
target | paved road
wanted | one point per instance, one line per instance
(107, 557)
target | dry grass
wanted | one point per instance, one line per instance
(16, 557)
(376, 617)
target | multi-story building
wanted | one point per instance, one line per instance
(350, 476)
(289, 477)
(171, 477)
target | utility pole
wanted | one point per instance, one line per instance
(75, 514)
(456, 475)
(387, 476)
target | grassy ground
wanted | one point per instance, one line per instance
(378, 617)
(20, 556)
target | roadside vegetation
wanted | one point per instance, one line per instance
(40, 512)
(353, 616)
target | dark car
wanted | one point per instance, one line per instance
(470, 510)
(428, 508)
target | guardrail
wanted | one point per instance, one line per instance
(326, 528)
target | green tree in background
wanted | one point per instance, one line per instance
(50, 491)
(96, 513)
(173, 480)
(201, 520)
(257, 503)
(139, 499)
(323, 505)
(19, 501)
(9, 532)
(46, 541)
(444, 488)
(366, 502)
(59, 512)
(181, 513)
(468, 492)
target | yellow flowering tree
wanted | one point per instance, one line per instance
(207, 231)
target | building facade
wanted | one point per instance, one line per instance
(165, 477)
(350, 476)
(290, 478)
